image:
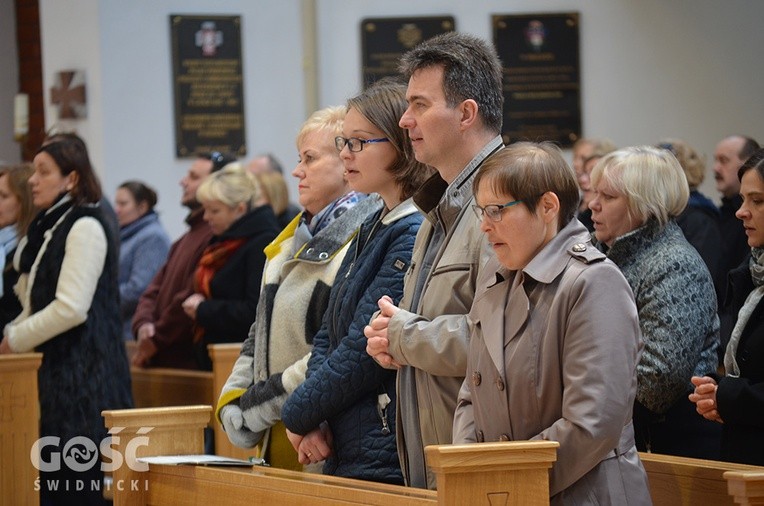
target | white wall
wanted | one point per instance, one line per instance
(9, 81)
(685, 68)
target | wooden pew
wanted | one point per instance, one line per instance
(746, 486)
(681, 481)
(156, 387)
(674, 481)
(490, 473)
(162, 387)
(19, 428)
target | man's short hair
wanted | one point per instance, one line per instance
(471, 70)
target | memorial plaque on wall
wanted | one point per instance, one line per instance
(207, 84)
(384, 40)
(542, 89)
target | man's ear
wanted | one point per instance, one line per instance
(469, 113)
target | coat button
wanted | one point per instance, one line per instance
(323, 255)
(309, 251)
(476, 378)
(480, 437)
(500, 384)
(579, 247)
(503, 437)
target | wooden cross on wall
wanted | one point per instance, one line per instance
(69, 98)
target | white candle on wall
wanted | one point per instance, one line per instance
(21, 115)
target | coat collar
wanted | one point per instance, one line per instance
(572, 241)
(323, 246)
(405, 208)
(506, 292)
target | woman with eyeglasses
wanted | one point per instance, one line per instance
(639, 192)
(555, 335)
(302, 264)
(344, 412)
(227, 278)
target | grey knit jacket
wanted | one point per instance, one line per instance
(676, 301)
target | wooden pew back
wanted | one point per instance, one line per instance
(19, 428)
(681, 481)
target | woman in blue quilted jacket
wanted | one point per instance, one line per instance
(344, 412)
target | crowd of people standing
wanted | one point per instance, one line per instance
(435, 286)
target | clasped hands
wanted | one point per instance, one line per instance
(377, 344)
(314, 446)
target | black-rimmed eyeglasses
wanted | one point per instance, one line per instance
(493, 211)
(355, 144)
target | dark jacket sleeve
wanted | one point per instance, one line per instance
(347, 372)
(741, 402)
(228, 318)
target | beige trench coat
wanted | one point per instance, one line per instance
(553, 356)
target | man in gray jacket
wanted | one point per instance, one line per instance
(454, 120)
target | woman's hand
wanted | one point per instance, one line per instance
(704, 398)
(191, 303)
(315, 446)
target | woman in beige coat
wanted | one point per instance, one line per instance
(555, 336)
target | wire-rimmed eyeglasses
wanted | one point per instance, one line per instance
(493, 211)
(355, 144)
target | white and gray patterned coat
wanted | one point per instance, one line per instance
(295, 292)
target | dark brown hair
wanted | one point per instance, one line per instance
(71, 155)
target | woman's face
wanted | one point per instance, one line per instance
(126, 208)
(610, 213)
(368, 169)
(520, 234)
(320, 171)
(220, 216)
(9, 203)
(751, 211)
(47, 181)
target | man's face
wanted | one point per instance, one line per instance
(434, 127)
(197, 173)
(726, 164)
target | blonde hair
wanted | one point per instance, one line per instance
(274, 190)
(693, 165)
(651, 179)
(329, 118)
(18, 183)
(232, 185)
